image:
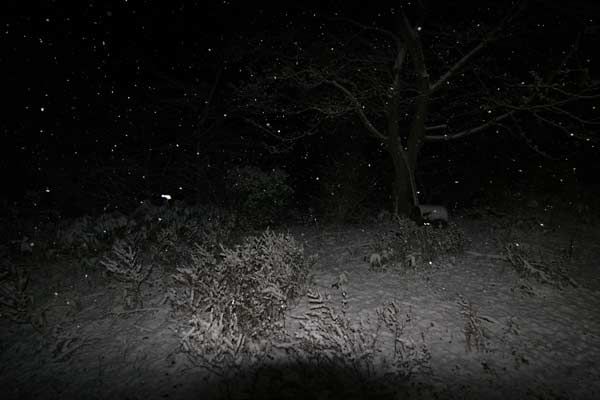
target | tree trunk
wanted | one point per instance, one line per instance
(416, 135)
(403, 196)
(402, 189)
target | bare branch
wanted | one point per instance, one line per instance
(467, 132)
(583, 121)
(459, 64)
(359, 109)
(576, 96)
(484, 42)
(563, 128)
(209, 100)
(386, 32)
(436, 127)
(528, 141)
(270, 132)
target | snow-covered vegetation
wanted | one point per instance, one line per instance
(489, 306)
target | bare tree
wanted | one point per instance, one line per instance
(413, 84)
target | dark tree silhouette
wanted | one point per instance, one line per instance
(419, 77)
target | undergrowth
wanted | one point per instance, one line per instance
(408, 245)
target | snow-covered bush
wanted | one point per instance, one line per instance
(124, 262)
(219, 345)
(16, 303)
(410, 245)
(172, 230)
(370, 357)
(90, 234)
(162, 234)
(346, 352)
(235, 301)
(252, 282)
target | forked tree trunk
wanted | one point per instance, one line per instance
(405, 161)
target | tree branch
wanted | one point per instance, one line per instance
(386, 32)
(436, 127)
(486, 40)
(359, 109)
(458, 65)
(209, 100)
(272, 133)
(528, 141)
(467, 132)
(582, 121)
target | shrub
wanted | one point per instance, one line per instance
(260, 197)
(125, 263)
(87, 234)
(327, 351)
(251, 283)
(172, 230)
(162, 236)
(164, 230)
(408, 244)
(15, 301)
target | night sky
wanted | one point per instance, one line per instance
(112, 102)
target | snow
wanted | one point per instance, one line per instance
(489, 333)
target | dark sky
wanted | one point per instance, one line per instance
(79, 80)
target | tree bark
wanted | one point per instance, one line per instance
(405, 161)
(402, 188)
(416, 135)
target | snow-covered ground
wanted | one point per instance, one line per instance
(482, 330)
